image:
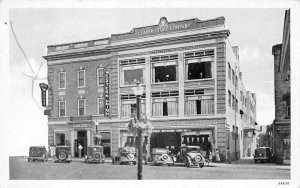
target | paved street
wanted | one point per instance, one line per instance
(243, 169)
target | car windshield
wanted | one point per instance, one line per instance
(160, 151)
(193, 150)
(36, 149)
(128, 150)
(261, 150)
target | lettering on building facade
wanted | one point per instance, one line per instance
(44, 88)
(107, 112)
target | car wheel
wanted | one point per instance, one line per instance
(255, 161)
(28, 160)
(121, 163)
(113, 161)
(201, 165)
(146, 163)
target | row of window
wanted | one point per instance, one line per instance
(198, 65)
(80, 78)
(166, 104)
(232, 101)
(160, 106)
(232, 76)
(81, 107)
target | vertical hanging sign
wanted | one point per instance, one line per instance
(44, 88)
(107, 93)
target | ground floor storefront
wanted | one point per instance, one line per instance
(210, 134)
(282, 143)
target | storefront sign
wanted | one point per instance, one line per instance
(107, 113)
(80, 125)
(44, 88)
(169, 130)
(162, 29)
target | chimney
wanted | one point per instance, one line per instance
(236, 52)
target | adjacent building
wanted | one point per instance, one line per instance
(193, 89)
(282, 122)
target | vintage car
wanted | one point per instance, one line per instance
(38, 153)
(190, 156)
(62, 154)
(125, 155)
(94, 154)
(160, 156)
(263, 154)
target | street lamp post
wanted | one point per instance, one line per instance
(138, 91)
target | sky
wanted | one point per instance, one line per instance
(255, 31)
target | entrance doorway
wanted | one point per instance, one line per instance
(82, 140)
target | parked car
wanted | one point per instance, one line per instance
(125, 155)
(94, 154)
(62, 154)
(160, 156)
(37, 153)
(190, 156)
(263, 154)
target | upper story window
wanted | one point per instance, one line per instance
(61, 108)
(81, 107)
(233, 77)
(81, 78)
(62, 80)
(198, 103)
(229, 98)
(199, 65)
(165, 103)
(233, 101)
(236, 81)
(129, 107)
(164, 68)
(288, 106)
(229, 71)
(100, 105)
(132, 71)
(236, 105)
(241, 96)
(100, 76)
(251, 107)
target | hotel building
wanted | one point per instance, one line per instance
(193, 89)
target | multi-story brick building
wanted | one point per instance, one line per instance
(282, 123)
(193, 91)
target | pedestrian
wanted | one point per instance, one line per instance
(79, 150)
(217, 156)
(52, 149)
(210, 155)
(228, 157)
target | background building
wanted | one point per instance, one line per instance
(282, 123)
(191, 76)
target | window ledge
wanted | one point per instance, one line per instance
(197, 80)
(125, 86)
(61, 88)
(157, 83)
